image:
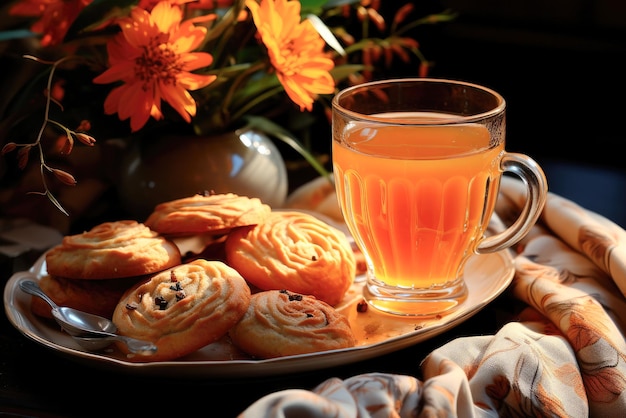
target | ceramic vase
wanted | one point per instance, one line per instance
(245, 162)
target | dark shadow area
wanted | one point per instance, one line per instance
(560, 66)
(600, 189)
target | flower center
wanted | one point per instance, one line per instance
(158, 63)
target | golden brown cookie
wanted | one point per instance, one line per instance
(182, 309)
(281, 323)
(112, 250)
(98, 297)
(294, 251)
(212, 213)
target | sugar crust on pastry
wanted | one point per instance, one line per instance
(212, 213)
(112, 250)
(182, 309)
(281, 323)
(294, 251)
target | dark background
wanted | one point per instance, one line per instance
(560, 66)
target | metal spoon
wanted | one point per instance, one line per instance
(92, 332)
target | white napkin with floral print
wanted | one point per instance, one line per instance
(564, 356)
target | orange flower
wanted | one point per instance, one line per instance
(56, 16)
(152, 57)
(296, 50)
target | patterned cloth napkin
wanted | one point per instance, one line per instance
(564, 355)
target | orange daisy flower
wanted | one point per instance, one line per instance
(55, 17)
(152, 57)
(296, 50)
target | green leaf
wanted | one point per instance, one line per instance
(326, 34)
(224, 24)
(342, 72)
(96, 12)
(337, 3)
(278, 132)
(313, 4)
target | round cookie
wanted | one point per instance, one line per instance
(212, 213)
(294, 251)
(182, 309)
(280, 323)
(112, 250)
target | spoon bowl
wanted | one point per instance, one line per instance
(76, 322)
(92, 332)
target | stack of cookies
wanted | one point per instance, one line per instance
(91, 271)
(268, 280)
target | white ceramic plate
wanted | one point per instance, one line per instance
(486, 276)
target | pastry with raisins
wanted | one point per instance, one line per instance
(182, 309)
(281, 323)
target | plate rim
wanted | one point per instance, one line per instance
(243, 368)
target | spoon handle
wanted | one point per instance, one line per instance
(133, 344)
(99, 341)
(138, 346)
(31, 287)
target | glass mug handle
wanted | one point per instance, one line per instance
(536, 184)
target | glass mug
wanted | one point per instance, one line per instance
(417, 166)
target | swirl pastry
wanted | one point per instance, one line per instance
(112, 250)
(294, 251)
(213, 213)
(182, 309)
(280, 323)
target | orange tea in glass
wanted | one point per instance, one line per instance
(417, 166)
